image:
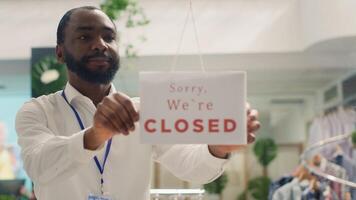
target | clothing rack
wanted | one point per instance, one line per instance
(306, 154)
(326, 168)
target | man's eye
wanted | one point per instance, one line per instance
(109, 38)
(83, 37)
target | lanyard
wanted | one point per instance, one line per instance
(107, 151)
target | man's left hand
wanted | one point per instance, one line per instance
(222, 151)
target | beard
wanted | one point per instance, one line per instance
(80, 68)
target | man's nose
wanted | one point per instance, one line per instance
(99, 45)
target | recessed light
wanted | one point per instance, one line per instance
(287, 101)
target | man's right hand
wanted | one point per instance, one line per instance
(114, 115)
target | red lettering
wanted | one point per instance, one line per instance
(150, 130)
(198, 126)
(163, 127)
(181, 121)
(228, 129)
(213, 125)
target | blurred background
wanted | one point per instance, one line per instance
(299, 55)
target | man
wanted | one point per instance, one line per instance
(62, 132)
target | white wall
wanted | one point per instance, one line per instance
(290, 129)
(326, 19)
(282, 33)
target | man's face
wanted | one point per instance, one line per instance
(89, 48)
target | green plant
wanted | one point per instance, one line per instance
(217, 186)
(259, 187)
(353, 136)
(265, 150)
(242, 196)
(136, 17)
(113, 8)
(48, 76)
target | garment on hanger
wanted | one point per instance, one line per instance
(337, 171)
(301, 185)
(341, 121)
(290, 191)
(297, 190)
(277, 184)
(350, 166)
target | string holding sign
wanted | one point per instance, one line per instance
(190, 12)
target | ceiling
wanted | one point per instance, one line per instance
(224, 26)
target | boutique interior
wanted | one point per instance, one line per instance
(300, 61)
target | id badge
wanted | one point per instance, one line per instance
(99, 197)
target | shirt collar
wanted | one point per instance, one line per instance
(72, 93)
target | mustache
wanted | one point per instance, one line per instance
(98, 55)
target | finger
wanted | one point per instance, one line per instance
(120, 112)
(253, 126)
(126, 116)
(110, 121)
(99, 117)
(111, 118)
(100, 120)
(112, 110)
(248, 108)
(128, 105)
(253, 115)
(251, 138)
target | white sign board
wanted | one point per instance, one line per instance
(193, 107)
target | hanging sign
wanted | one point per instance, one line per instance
(193, 107)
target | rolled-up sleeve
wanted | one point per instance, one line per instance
(48, 157)
(192, 163)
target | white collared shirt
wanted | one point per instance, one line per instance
(54, 157)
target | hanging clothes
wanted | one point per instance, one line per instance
(289, 191)
(350, 166)
(342, 165)
(337, 171)
(342, 121)
(296, 190)
(277, 184)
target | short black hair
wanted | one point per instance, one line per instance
(65, 19)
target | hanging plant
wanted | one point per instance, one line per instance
(136, 17)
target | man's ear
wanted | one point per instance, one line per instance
(59, 53)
